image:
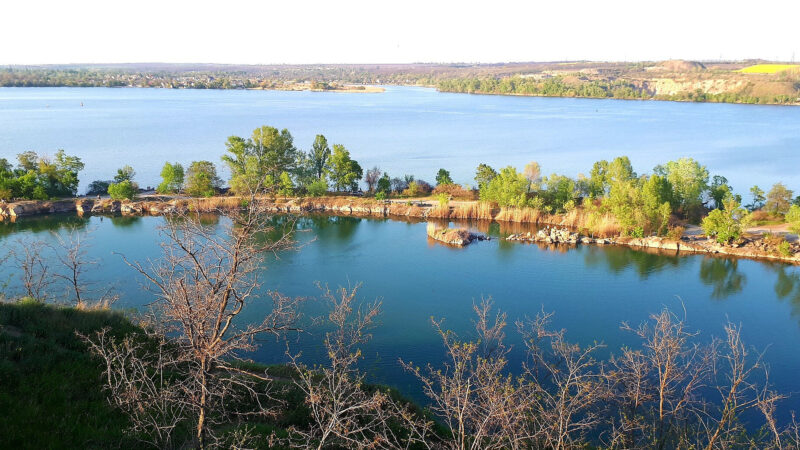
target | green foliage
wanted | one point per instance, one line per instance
(384, 184)
(40, 178)
(202, 179)
(779, 199)
(285, 185)
(758, 198)
(785, 249)
(268, 152)
(559, 191)
(719, 191)
(483, 175)
(319, 155)
(124, 190)
(172, 176)
(793, 218)
(344, 172)
(443, 177)
(444, 200)
(98, 187)
(642, 206)
(688, 179)
(508, 188)
(318, 188)
(726, 225)
(380, 195)
(125, 173)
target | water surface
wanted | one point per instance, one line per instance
(404, 130)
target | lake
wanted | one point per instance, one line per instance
(590, 289)
(406, 130)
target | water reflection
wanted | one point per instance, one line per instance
(53, 222)
(723, 275)
(787, 285)
(645, 262)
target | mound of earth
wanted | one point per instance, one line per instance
(679, 65)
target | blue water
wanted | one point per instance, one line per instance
(591, 290)
(404, 130)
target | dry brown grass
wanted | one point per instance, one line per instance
(439, 212)
(475, 210)
(606, 226)
(447, 234)
(528, 215)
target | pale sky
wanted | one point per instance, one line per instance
(314, 31)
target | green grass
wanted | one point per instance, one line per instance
(50, 387)
(51, 392)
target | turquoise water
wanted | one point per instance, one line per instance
(591, 290)
(404, 130)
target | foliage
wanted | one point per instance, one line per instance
(318, 188)
(202, 179)
(344, 172)
(720, 190)
(39, 177)
(689, 181)
(124, 190)
(642, 206)
(793, 218)
(560, 190)
(125, 173)
(384, 184)
(726, 225)
(171, 178)
(319, 155)
(779, 199)
(443, 177)
(268, 152)
(98, 187)
(380, 195)
(758, 198)
(508, 188)
(483, 175)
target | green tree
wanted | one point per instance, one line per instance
(720, 190)
(689, 181)
(443, 178)
(385, 184)
(758, 198)
(726, 225)
(123, 190)
(202, 179)
(483, 175)
(268, 152)
(641, 206)
(793, 218)
(508, 188)
(171, 178)
(779, 199)
(598, 182)
(125, 173)
(98, 187)
(344, 172)
(319, 155)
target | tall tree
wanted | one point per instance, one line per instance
(371, 178)
(443, 177)
(320, 155)
(268, 152)
(344, 171)
(171, 178)
(484, 174)
(202, 179)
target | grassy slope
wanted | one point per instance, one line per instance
(50, 394)
(50, 386)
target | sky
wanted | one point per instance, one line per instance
(314, 31)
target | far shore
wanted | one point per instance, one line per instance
(425, 209)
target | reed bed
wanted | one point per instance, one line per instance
(527, 215)
(475, 211)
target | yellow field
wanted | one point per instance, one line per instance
(768, 68)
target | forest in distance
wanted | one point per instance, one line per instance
(747, 82)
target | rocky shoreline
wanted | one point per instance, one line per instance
(687, 244)
(347, 206)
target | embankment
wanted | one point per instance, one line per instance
(606, 233)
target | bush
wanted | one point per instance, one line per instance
(381, 195)
(202, 179)
(785, 249)
(444, 200)
(793, 219)
(508, 188)
(124, 190)
(726, 225)
(676, 233)
(455, 191)
(98, 187)
(318, 188)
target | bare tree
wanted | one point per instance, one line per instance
(70, 251)
(480, 406)
(202, 284)
(35, 272)
(343, 412)
(371, 177)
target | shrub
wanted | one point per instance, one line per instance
(793, 219)
(318, 188)
(455, 191)
(676, 233)
(171, 179)
(98, 187)
(785, 249)
(381, 195)
(124, 190)
(509, 188)
(444, 200)
(202, 179)
(726, 225)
